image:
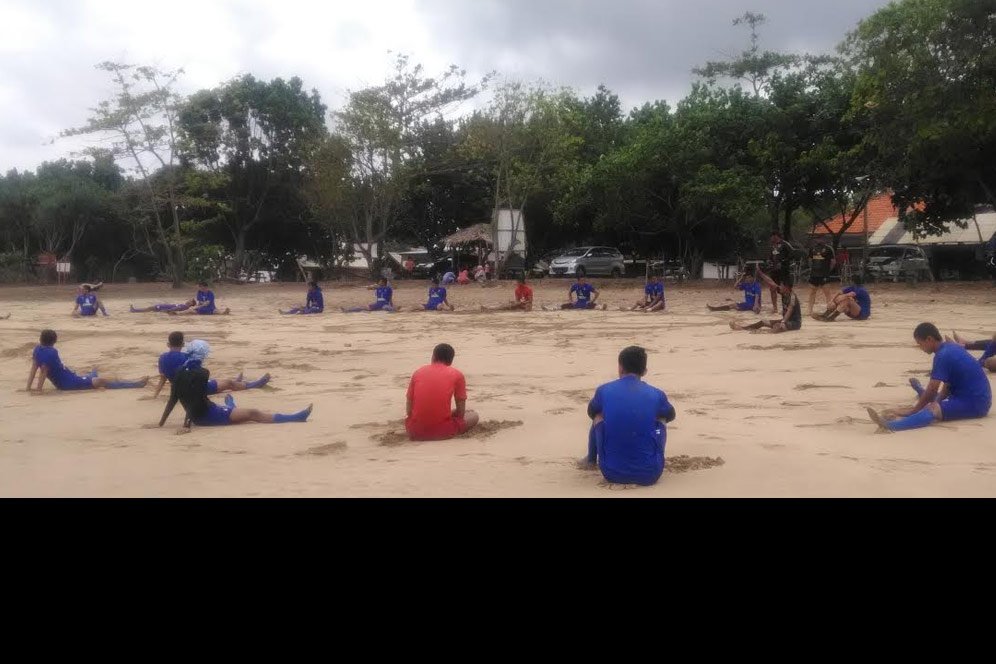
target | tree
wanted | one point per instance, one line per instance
(254, 137)
(927, 88)
(753, 65)
(141, 125)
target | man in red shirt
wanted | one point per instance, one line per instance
(430, 391)
(523, 299)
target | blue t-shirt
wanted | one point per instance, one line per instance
(437, 295)
(751, 292)
(205, 300)
(863, 299)
(88, 304)
(384, 294)
(48, 356)
(583, 291)
(634, 436)
(315, 299)
(961, 372)
(654, 290)
(170, 362)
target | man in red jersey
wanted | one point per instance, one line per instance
(430, 392)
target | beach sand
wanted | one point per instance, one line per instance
(758, 414)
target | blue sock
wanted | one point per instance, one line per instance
(91, 374)
(259, 382)
(229, 401)
(124, 384)
(296, 417)
(915, 421)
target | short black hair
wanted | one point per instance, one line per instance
(435, 281)
(633, 360)
(313, 284)
(927, 331)
(384, 279)
(175, 339)
(48, 338)
(443, 353)
(202, 284)
(87, 288)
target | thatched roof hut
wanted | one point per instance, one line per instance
(476, 235)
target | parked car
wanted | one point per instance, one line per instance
(584, 261)
(897, 262)
(672, 268)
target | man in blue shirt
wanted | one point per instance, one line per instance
(437, 298)
(314, 302)
(958, 388)
(384, 302)
(752, 295)
(202, 303)
(653, 296)
(87, 303)
(46, 363)
(172, 360)
(987, 346)
(854, 302)
(581, 296)
(629, 425)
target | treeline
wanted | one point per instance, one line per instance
(251, 174)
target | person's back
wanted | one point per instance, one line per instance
(634, 435)
(315, 300)
(87, 303)
(170, 362)
(863, 299)
(965, 378)
(48, 356)
(431, 391)
(189, 387)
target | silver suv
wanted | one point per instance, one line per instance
(588, 260)
(898, 262)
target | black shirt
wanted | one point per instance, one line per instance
(820, 260)
(189, 387)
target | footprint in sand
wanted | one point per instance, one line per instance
(324, 450)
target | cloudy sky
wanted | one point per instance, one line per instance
(641, 49)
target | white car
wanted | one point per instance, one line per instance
(585, 261)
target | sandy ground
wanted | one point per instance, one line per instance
(758, 415)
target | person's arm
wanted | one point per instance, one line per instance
(446, 301)
(595, 293)
(159, 387)
(173, 398)
(570, 295)
(42, 375)
(76, 307)
(460, 396)
(740, 279)
(31, 376)
(757, 302)
(929, 396)
(410, 396)
(666, 411)
(461, 407)
(790, 308)
(100, 305)
(765, 278)
(595, 405)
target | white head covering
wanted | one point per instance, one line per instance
(198, 349)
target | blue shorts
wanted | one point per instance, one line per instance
(743, 306)
(582, 304)
(216, 416)
(432, 307)
(73, 382)
(205, 311)
(88, 313)
(212, 386)
(961, 408)
(379, 306)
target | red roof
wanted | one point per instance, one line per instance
(880, 208)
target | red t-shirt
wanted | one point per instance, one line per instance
(431, 390)
(523, 292)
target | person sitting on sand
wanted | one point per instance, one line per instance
(171, 361)
(464, 277)
(580, 296)
(629, 425)
(449, 278)
(437, 298)
(653, 296)
(791, 319)
(202, 303)
(523, 298)
(384, 302)
(854, 302)
(190, 388)
(314, 302)
(987, 346)
(46, 363)
(430, 392)
(752, 295)
(87, 303)
(958, 387)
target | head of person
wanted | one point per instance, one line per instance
(197, 351)
(927, 337)
(521, 280)
(435, 281)
(786, 286)
(382, 281)
(443, 354)
(776, 239)
(633, 361)
(749, 276)
(86, 288)
(202, 285)
(581, 279)
(48, 338)
(313, 285)
(175, 340)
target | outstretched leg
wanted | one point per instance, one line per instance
(242, 415)
(120, 384)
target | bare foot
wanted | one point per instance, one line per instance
(877, 419)
(585, 465)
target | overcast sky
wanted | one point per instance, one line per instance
(640, 49)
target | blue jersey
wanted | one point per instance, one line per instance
(654, 290)
(634, 435)
(170, 363)
(88, 304)
(205, 300)
(863, 299)
(752, 291)
(384, 294)
(965, 378)
(315, 299)
(437, 295)
(583, 292)
(48, 356)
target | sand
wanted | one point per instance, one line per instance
(758, 415)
